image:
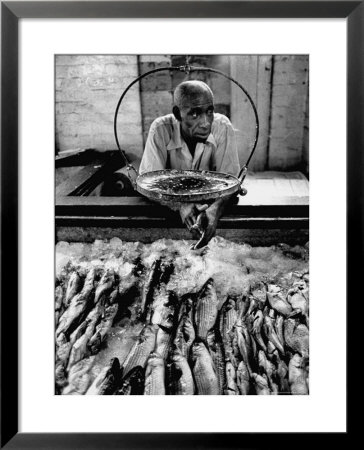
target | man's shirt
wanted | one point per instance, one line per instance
(166, 149)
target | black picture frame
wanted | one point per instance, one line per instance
(11, 12)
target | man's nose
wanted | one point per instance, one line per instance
(204, 121)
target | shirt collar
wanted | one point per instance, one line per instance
(176, 139)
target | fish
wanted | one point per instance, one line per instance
(79, 331)
(58, 298)
(278, 326)
(282, 375)
(216, 349)
(155, 375)
(261, 384)
(243, 378)
(259, 293)
(74, 286)
(166, 269)
(163, 342)
(163, 310)
(80, 348)
(297, 376)
(226, 322)
(180, 379)
(105, 284)
(63, 348)
(206, 309)
(296, 337)
(231, 387)
(245, 351)
(107, 380)
(277, 301)
(148, 290)
(140, 351)
(298, 302)
(74, 314)
(203, 370)
(103, 328)
(60, 377)
(271, 334)
(256, 331)
(79, 377)
(268, 368)
(133, 383)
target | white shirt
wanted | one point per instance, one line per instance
(166, 149)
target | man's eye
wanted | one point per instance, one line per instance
(210, 112)
(194, 115)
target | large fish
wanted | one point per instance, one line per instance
(107, 380)
(80, 348)
(277, 300)
(296, 337)
(216, 349)
(163, 342)
(133, 383)
(163, 309)
(73, 287)
(103, 328)
(79, 377)
(269, 369)
(297, 376)
(105, 284)
(151, 282)
(256, 331)
(271, 334)
(155, 375)
(63, 348)
(259, 293)
(244, 346)
(58, 298)
(180, 379)
(278, 326)
(261, 384)
(206, 309)
(203, 370)
(282, 374)
(141, 350)
(298, 302)
(231, 387)
(185, 335)
(74, 314)
(243, 378)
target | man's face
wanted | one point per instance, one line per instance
(197, 115)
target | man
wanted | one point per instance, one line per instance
(193, 138)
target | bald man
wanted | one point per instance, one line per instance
(194, 137)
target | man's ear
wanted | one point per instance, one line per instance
(177, 113)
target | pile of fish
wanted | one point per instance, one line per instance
(253, 342)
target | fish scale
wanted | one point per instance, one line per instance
(203, 371)
(154, 375)
(163, 342)
(140, 351)
(206, 310)
(180, 376)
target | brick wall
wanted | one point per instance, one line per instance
(87, 91)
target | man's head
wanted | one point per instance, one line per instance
(193, 106)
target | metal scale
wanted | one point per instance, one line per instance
(207, 185)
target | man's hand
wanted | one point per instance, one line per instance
(192, 215)
(208, 223)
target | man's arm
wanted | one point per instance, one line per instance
(210, 218)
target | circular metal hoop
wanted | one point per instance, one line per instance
(188, 69)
